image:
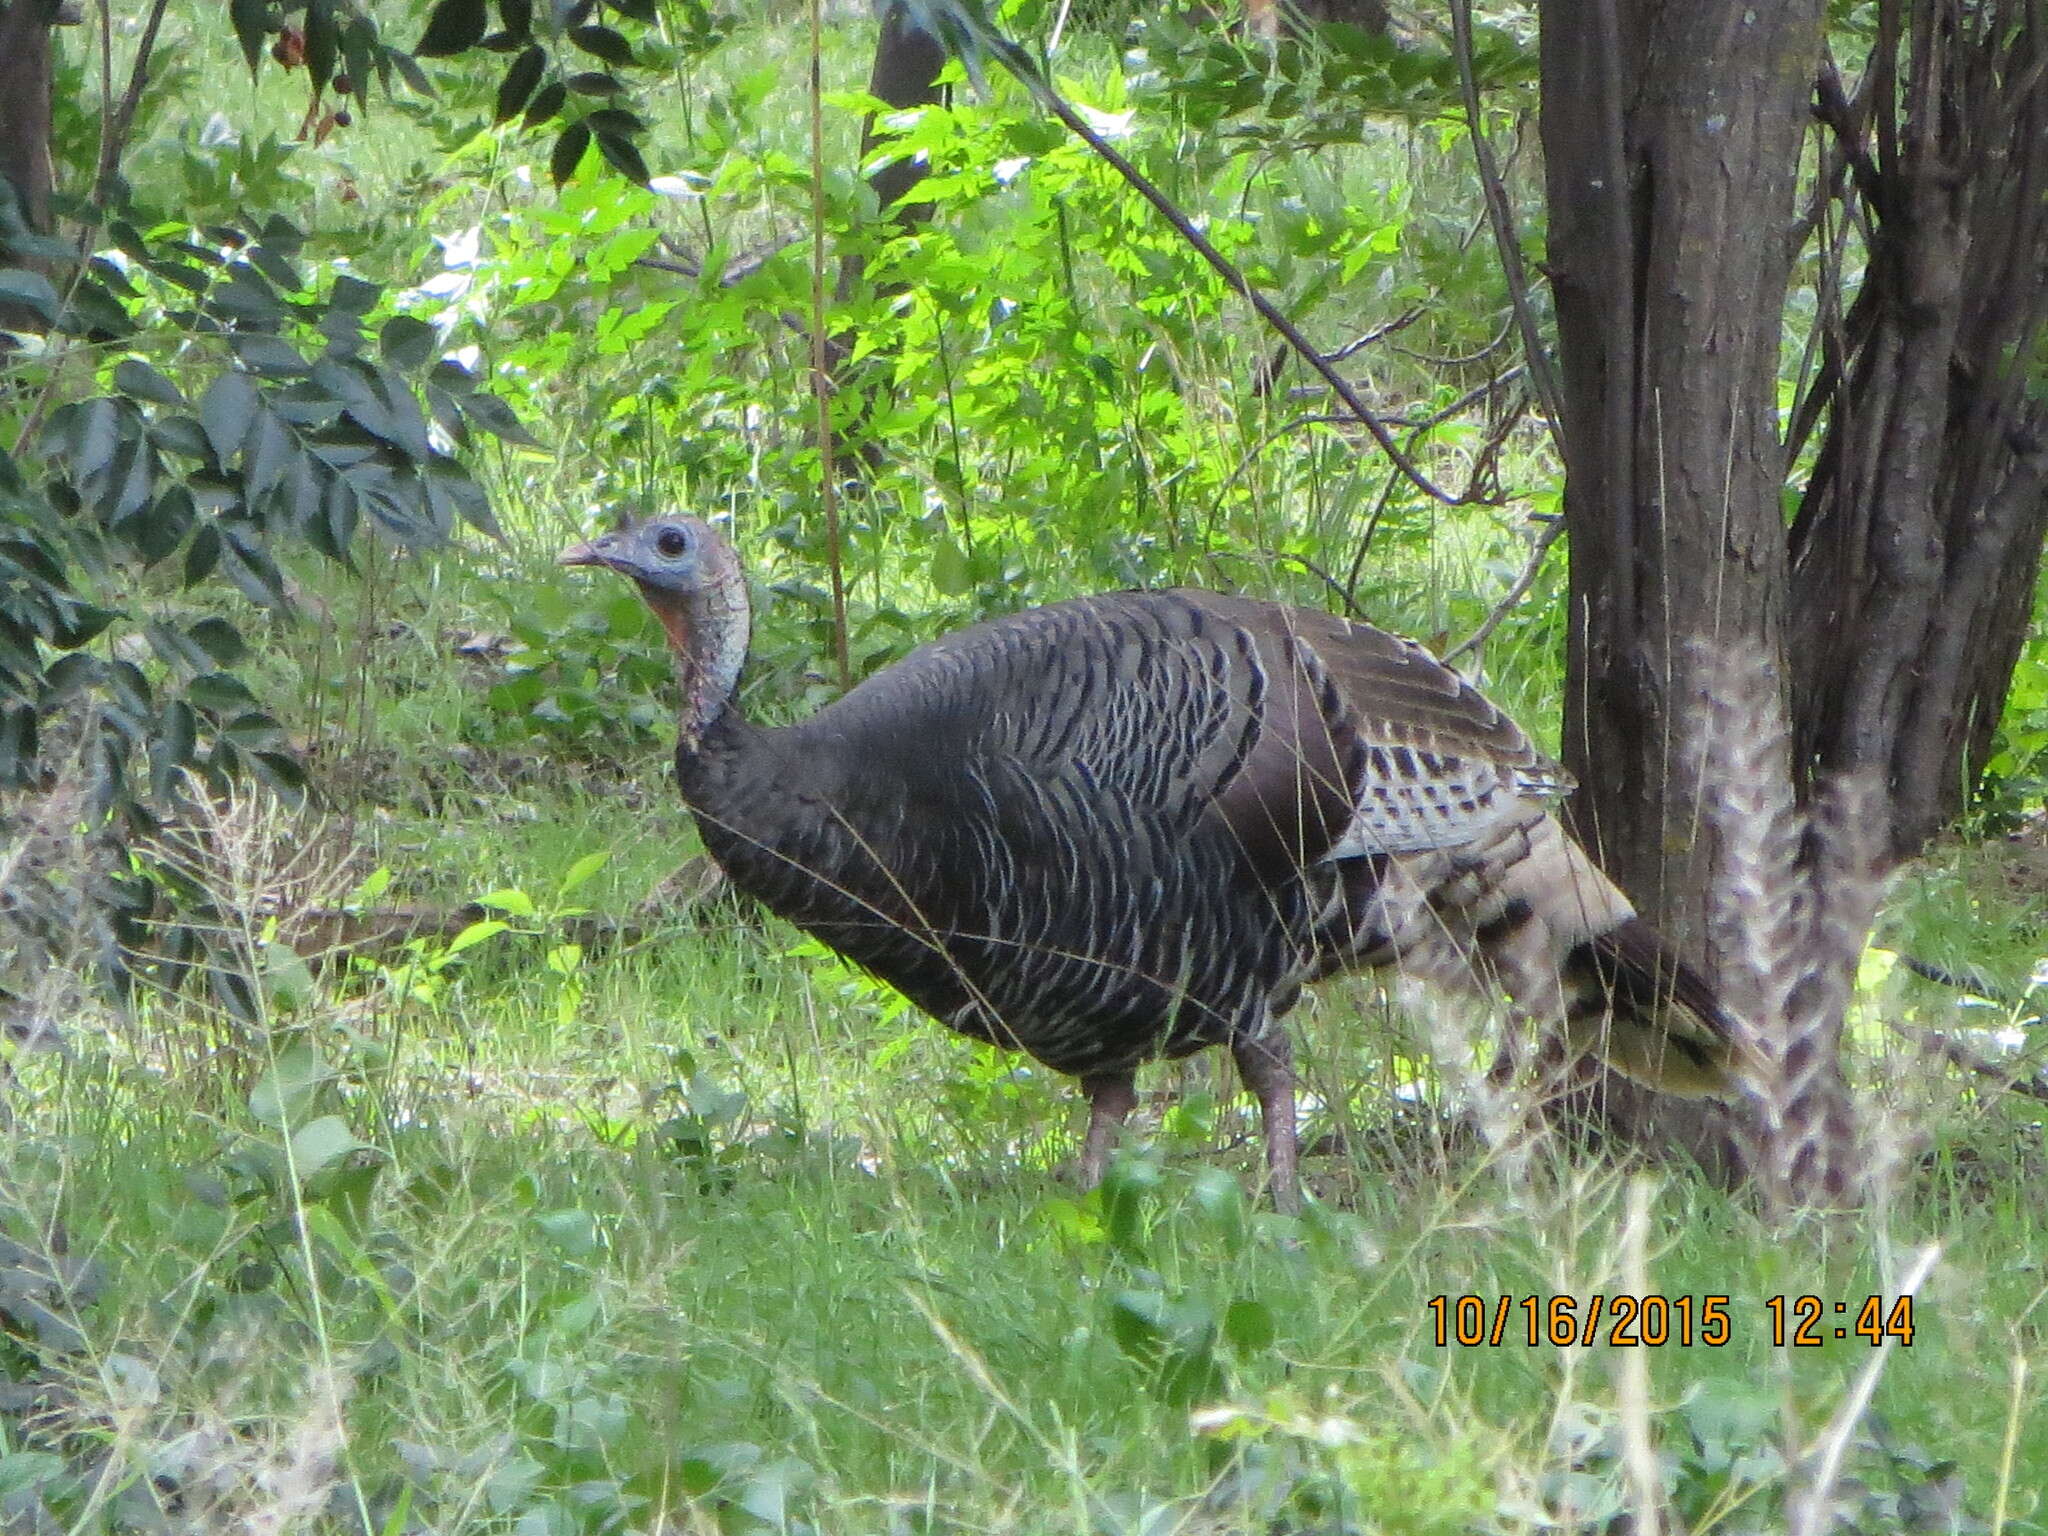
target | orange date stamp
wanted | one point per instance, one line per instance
(1625, 1321)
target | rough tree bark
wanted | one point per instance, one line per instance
(1919, 533)
(1671, 134)
(908, 60)
(1892, 610)
(25, 128)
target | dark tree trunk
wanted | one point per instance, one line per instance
(1919, 534)
(25, 130)
(905, 74)
(1888, 617)
(1671, 133)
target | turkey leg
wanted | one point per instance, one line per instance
(1266, 1063)
(1111, 1097)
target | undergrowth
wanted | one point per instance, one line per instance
(588, 1209)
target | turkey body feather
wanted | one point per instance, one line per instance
(1134, 825)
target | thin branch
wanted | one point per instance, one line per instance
(1515, 593)
(1437, 360)
(1251, 455)
(1810, 1503)
(115, 129)
(1953, 1051)
(821, 377)
(1022, 66)
(1400, 322)
(1542, 373)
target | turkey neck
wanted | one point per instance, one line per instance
(707, 631)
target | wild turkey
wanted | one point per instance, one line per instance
(1130, 826)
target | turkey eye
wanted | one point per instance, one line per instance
(672, 542)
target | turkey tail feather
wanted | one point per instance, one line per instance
(1630, 998)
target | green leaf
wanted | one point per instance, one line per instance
(246, 297)
(219, 639)
(521, 76)
(452, 493)
(406, 342)
(568, 153)
(402, 407)
(226, 411)
(132, 376)
(603, 43)
(572, 1231)
(454, 27)
(361, 51)
(409, 67)
(370, 888)
(220, 693)
(516, 902)
(284, 773)
(322, 42)
(287, 979)
(177, 739)
(93, 429)
(623, 155)
(581, 871)
(284, 1093)
(351, 381)
(162, 528)
(250, 18)
(547, 103)
(496, 418)
(30, 289)
(269, 356)
(615, 120)
(476, 933)
(1129, 1186)
(203, 554)
(23, 1471)
(951, 576)
(354, 295)
(1248, 1326)
(318, 1144)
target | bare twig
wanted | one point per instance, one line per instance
(1957, 1054)
(114, 128)
(1638, 1447)
(1514, 594)
(1251, 455)
(1021, 65)
(1464, 360)
(821, 375)
(1400, 322)
(1541, 373)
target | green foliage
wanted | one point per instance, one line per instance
(2016, 774)
(1329, 87)
(278, 412)
(666, 1222)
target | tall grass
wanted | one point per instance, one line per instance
(691, 1228)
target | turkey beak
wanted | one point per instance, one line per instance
(590, 553)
